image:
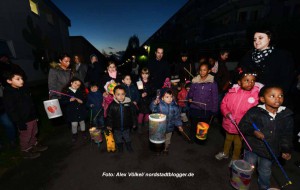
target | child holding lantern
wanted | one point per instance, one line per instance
(167, 106)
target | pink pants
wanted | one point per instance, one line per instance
(143, 117)
(28, 136)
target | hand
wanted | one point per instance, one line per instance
(22, 127)
(156, 101)
(259, 135)
(109, 128)
(144, 94)
(228, 115)
(92, 105)
(105, 94)
(180, 128)
(134, 126)
(72, 99)
(286, 156)
(134, 103)
(190, 100)
(79, 101)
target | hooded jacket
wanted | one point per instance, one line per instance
(58, 79)
(237, 102)
(171, 111)
(121, 115)
(278, 130)
(204, 91)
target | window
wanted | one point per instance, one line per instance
(6, 47)
(34, 7)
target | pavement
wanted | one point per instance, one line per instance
(85, 166)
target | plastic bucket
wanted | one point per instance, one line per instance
(202, 129)
(157, 128)
(52, 108)
(241, 172)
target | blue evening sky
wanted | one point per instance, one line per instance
(108, 24)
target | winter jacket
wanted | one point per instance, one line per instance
(222, 77)
(171, 111)
(237, 102)
(144, 102)
(94, 72)
(131, 92)
(180, 70)
(159, 71)
(80, 72)
(121, 115)
(182, 96)
(58, 79)
(95, 98)
(19, 105)
(278, 131)
(278, 69)
(204, 92)
(74, 111)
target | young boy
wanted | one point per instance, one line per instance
(130, 89)
(167, 106)
(94, 103)
(20, 108)
(275, 123)
(121, 116)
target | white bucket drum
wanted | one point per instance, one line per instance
(157, 128)
(52, 108)
(241, 172)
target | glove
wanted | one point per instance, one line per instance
(22, 127)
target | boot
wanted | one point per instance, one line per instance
(120, 147)
(129, 147)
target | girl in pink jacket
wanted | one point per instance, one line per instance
(239, 99)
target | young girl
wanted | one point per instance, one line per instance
(75, 110)
(166, 105)
(181, 97)
(111, 73)
(203, 98)
(239, 99)
(146, 96)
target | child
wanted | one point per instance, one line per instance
(20, 108)
(203, 98)
(121, 117)
(167, 106)
(275, 123)
(239, 99)
(131, 90)
(146, 96)
(94, 103)
(75, 111)
(181, 100)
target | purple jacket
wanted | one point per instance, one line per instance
(204, 94)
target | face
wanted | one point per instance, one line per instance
(111, 67)
(168, 98)
(211, 61)
(145, 76)
(65, 62)
(247, 82)
(127, 80)
(94, 88)
(120, 95)
(204, 71)
(76, 59)
(16, 81)
(224, 56)
(75, 84)
(261, 41)
(273, 99)
(184, 58)
(94, 59)
(159, 54)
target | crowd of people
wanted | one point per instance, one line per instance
(185, 92)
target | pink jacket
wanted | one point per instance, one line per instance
(237, 102)
(182, 96)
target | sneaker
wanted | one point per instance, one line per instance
(221, 155)
(39, 148)
(30, 155)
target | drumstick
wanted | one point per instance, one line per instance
(184, 134)
(278, 163)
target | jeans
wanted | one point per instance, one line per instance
(9, 127)
(264, 168)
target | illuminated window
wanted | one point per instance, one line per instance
(34, 7)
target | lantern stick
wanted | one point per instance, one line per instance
(188, 72)
(186, 136)
(61, 93)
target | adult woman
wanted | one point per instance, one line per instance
(274, 66)
(59, 75)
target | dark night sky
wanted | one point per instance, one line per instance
(108, 24)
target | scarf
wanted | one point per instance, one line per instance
(113, 74)
(258, 56)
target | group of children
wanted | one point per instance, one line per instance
(129, 107)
